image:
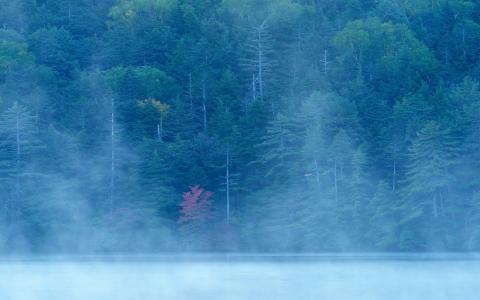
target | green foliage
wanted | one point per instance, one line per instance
(431, 155)
(382, 230)
(387, 56)
(129, 11)
(349, 125)
(56, 49)
(153, 82)
(280, 150)
(13, 54)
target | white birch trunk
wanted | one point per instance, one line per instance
(260, 63)
(17, 162)
(190, 92)
(254, 88)
(160, 130)
(394, 177)
(335, 178)
(228, 187)
(325, 62)
(112, 158)
(204, 106)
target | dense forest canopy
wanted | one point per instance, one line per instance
(247, 125)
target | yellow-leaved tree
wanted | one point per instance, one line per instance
(161, 109)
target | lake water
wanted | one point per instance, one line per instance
(340, 277)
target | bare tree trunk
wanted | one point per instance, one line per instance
(442, 204)
(335, 177)
(254, 88)
(112, 157)
(17, 163)
(190, 91)
(17, 140)
(464, 50)
(261, 53)
(317, 173)
(325, 62)
(260, 62)
(37, 122)
(161, 129)
(228, 187)
(204, 105)
(69, 14)
(394, 177)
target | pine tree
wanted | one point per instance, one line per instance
(383, 219)
(18, 149)
(432, 156)
(280, 150)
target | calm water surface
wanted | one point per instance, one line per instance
(342, 277)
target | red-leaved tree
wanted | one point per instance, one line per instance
(196, 206)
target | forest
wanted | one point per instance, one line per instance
(239, 125)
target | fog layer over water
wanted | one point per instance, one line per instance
(236, 277)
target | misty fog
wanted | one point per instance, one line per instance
(245, 129)
(334, 277)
